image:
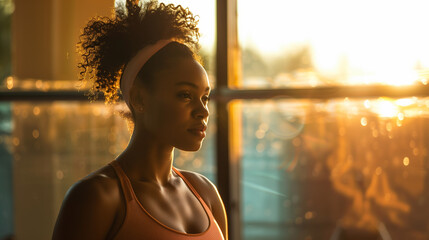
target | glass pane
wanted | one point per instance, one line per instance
(54, 145)
(6, 176)
(6, 9)
(337, 169)
(206, 11)
(45, 147)
(334, 42)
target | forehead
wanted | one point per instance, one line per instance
(184, 71)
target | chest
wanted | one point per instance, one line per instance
(175, 207)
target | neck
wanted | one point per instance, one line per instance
(146, 159)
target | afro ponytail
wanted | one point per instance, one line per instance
(107, 44)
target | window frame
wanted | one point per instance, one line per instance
(227, 90)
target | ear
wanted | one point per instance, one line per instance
(137, 98)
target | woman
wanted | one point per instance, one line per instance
(140, 195)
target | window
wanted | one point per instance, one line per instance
(331, 102)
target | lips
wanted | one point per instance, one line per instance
(198, 130)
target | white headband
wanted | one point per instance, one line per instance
(135, 64)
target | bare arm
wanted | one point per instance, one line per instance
(88, 211)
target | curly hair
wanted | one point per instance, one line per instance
(107, 44)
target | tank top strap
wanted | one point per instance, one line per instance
(192, 189)
(123, 179)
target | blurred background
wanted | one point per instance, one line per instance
(319, 125)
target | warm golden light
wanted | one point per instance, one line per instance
(39, 84)
(351, 42)
(398, 123)
(36, 111)
(363, 121)
(386, 108)
(36, 133)
(404, 102)
(397, 108)
(367, 103)
(9, 83)
(406, 161)
(15, 141)
(389, 127)
(60, 174)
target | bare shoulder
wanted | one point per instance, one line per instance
(103, 179)
(89, 207)
(100, 185)
(208, 191)
(203, 185)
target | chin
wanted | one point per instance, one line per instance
(190, 147)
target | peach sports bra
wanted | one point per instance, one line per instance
(139, 224)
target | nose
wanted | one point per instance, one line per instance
(201, 110)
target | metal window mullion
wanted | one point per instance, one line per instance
(227, 177)
(226, 94)
(324, 92)
(222, 149)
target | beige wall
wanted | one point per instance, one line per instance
(44, 36)
(45, 33)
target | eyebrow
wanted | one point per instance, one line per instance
(193, 85)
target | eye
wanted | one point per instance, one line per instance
(206, 99)
(184, 95)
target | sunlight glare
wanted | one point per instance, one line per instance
(351, 42)
(386, 108)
